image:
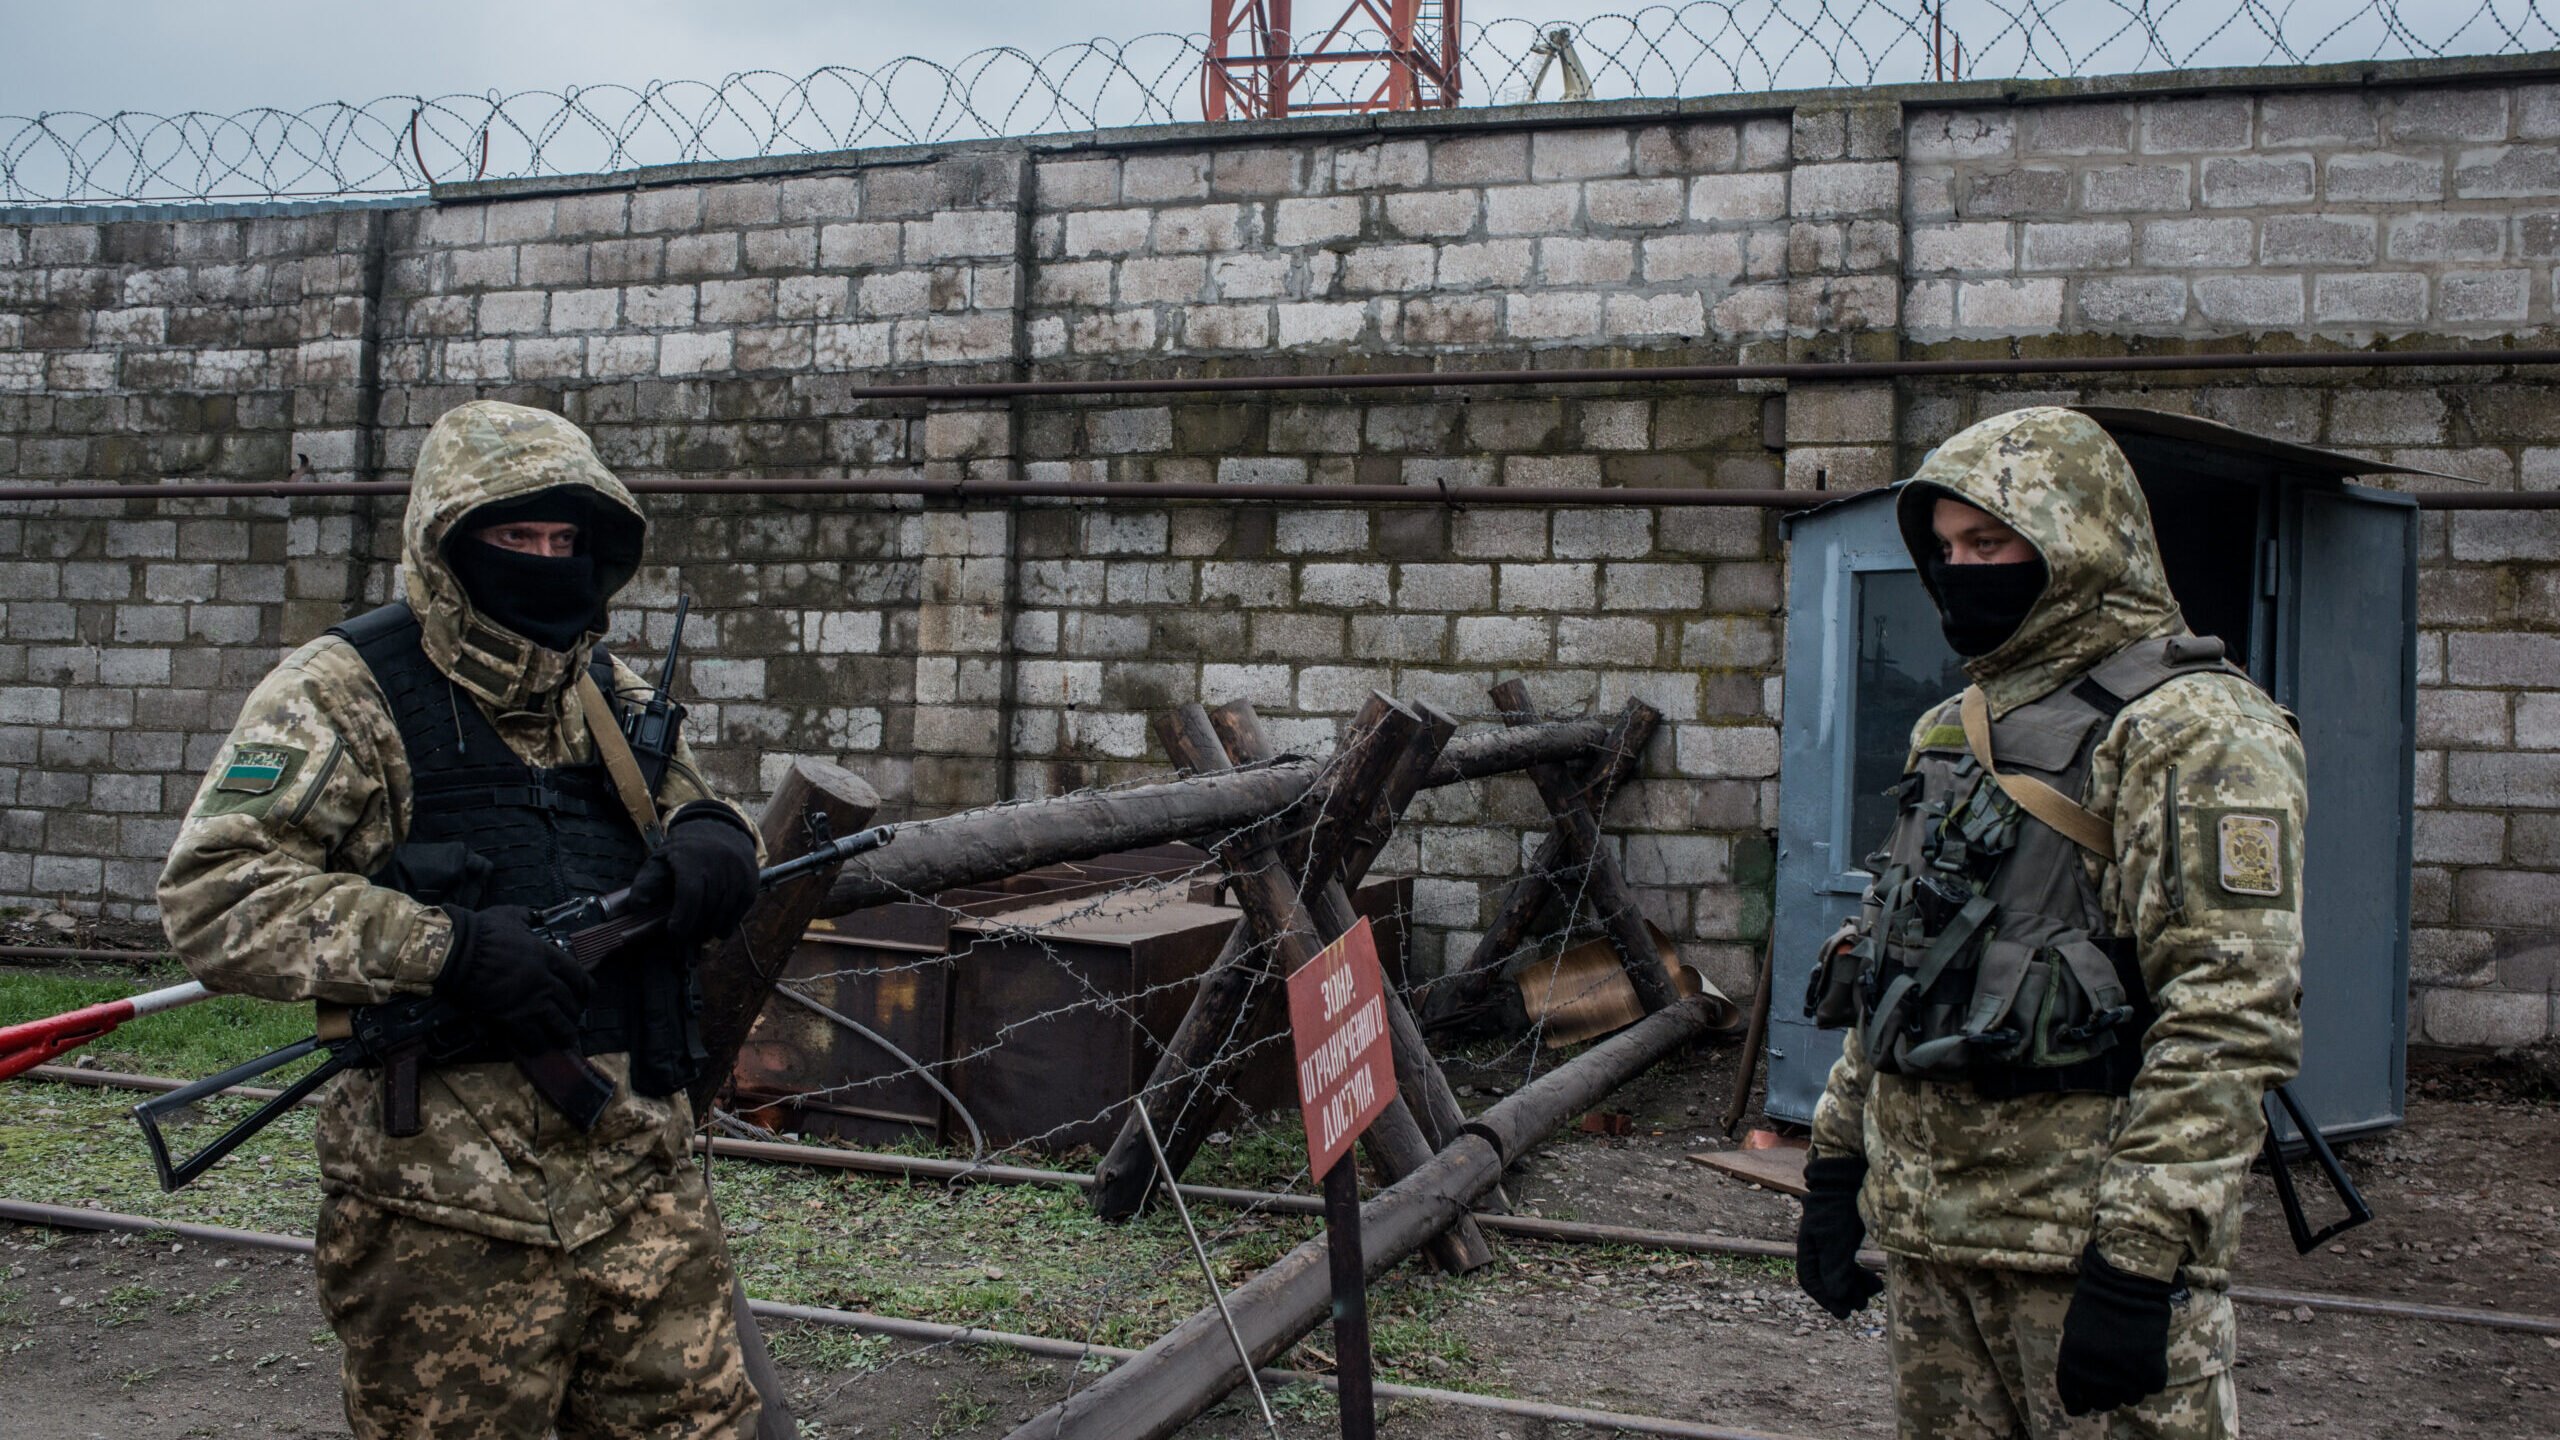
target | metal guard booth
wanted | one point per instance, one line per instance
(2312, 584)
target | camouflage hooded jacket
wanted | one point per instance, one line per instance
(264, 893)
(2154, 1178)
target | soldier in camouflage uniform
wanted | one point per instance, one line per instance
(497, 1273)
(2056, 1181)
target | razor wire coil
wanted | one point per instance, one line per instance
(401, 144)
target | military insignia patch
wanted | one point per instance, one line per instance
(251, 778)
(256, 769)
(2250, 854)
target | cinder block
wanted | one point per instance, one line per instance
(2486, 297)
(1258, 170)
(1092, 184)
(1549, 588)
(2105, 128)
(1322, 324)
(1494, 263)
(1602, 534)
(2364, 177)
(2197, 244)
(2483, 1018)
(2369, 298)
(1579, 154)
(1939, 135)
(1551, 315)
(2219, 122)
(2507, 172)
(2439, 238)
(2143, 301)
(1201, 227)
(2318, 118)
(2079, 245)
(1630, 316)
(2238, 181)
(1480, 159)
(2016, 306)
(1505, 639)
(1563, 261)
(1321, 532)
(2464, 112)
(2149, 189)
(1420, 213)
(1850, 188)
(1632, 586)
(1738, 199)
(2255, 301)
(1723, 751)
(2028, 190)
(2316, 240)
(1388, 269)
(1634, 203)
(1716, 258)
(1974, 248)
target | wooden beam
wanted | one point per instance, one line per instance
(1277, 912)
(1462, 999)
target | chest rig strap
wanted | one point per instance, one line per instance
(2080, 825)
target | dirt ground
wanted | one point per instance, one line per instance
(137, 1339)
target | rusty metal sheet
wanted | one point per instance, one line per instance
(1584, 993)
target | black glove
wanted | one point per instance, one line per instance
(523, 989)
(1828, 1236)
(705, 874)
(2115, 1338)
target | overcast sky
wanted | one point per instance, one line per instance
(223, 55)
(164, 55)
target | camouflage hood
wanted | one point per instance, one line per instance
(2055, 477)
(483, 453)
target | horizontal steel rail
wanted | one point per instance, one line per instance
(1652, 497)
(1530, 1227)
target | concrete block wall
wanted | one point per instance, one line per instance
(714, 320)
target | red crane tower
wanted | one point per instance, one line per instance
(1257, 67)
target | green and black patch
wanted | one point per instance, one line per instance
(251, 778)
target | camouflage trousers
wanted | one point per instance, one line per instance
(458, 1336)
(1974, 1352)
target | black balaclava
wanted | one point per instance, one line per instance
(1981, 606)
(551, 601)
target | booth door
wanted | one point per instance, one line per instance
(2349, 673)
(1864, 660)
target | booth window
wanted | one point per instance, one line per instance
(1903, 669)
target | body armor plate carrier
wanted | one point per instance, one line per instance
(487, 829)
(1982, 952)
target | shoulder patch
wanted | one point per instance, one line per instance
(250, 778)
(2249, 858)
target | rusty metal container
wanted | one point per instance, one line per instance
(1041, 1002)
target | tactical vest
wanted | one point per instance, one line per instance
(1982, 951)
(487, 829)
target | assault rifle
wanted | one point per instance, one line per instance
(406, 1036)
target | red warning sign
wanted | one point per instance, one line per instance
(1346, 1066)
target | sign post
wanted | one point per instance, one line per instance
(1346, 1076)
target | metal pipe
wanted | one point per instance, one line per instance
(1529, 1227)
(931, 1332)
(1190, 1369)
(78, 955)
(1807, 370)
(1133, 492)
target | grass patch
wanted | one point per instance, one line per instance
(830, 1347)
(197, 1040)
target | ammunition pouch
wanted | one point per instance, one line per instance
(1980, 952)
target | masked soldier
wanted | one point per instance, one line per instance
(2075, 976)
(396, 800)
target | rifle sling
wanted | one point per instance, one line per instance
(605, 731)
(2081, 826)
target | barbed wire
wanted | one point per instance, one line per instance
(397, 145)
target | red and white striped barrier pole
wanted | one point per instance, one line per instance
(23, 1047)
